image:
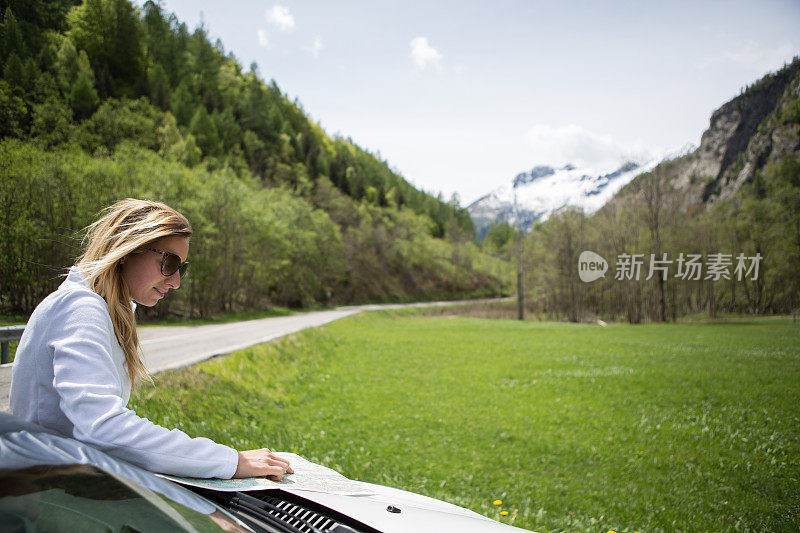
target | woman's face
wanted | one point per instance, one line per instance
(142, 270)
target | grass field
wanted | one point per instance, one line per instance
(668, 427)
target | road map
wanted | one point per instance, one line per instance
(307, 476)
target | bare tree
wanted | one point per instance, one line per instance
(659, 199)
(567, 242)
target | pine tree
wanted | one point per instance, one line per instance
(66, 66)
(76, 80)
(12, 42)
(13, 112)
(83, 96)
(183, 104)
(14, 71)
(205, 131)
(159, 87)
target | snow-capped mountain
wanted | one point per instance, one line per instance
(544, 190)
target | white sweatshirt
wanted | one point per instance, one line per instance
(68, 376)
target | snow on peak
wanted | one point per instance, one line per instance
(545, 190)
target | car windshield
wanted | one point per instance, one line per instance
(118, 492)
(85, 498)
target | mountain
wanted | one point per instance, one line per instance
(753, 131)
(544, 190)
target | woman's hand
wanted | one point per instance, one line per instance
(262, 462)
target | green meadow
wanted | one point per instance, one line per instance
(574, 427)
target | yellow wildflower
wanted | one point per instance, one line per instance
(498, 502)
(503, 513)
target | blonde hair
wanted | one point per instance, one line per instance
(124, 228)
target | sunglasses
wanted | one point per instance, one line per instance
(171, 263)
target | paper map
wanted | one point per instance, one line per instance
(307, 476)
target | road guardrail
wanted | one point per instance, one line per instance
(8, 334)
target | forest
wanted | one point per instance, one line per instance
(102, 100)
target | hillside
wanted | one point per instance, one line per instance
(101, 100)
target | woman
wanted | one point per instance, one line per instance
(78, 358)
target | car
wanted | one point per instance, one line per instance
(49, 482)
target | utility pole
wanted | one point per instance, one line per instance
(520, 250)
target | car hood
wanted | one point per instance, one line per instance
(417, 513)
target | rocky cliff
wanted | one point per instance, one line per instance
(755, 129)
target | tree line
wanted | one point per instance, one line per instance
(761, 222)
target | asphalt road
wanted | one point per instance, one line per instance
(170, 347)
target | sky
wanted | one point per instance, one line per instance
(461, 96)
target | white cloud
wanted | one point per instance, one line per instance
(279, 16)
(262, 37)
(316, 47)
(575, 144)
(425, 55)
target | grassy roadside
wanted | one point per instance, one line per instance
(688, 427)
(220, 319)
(13, 319)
